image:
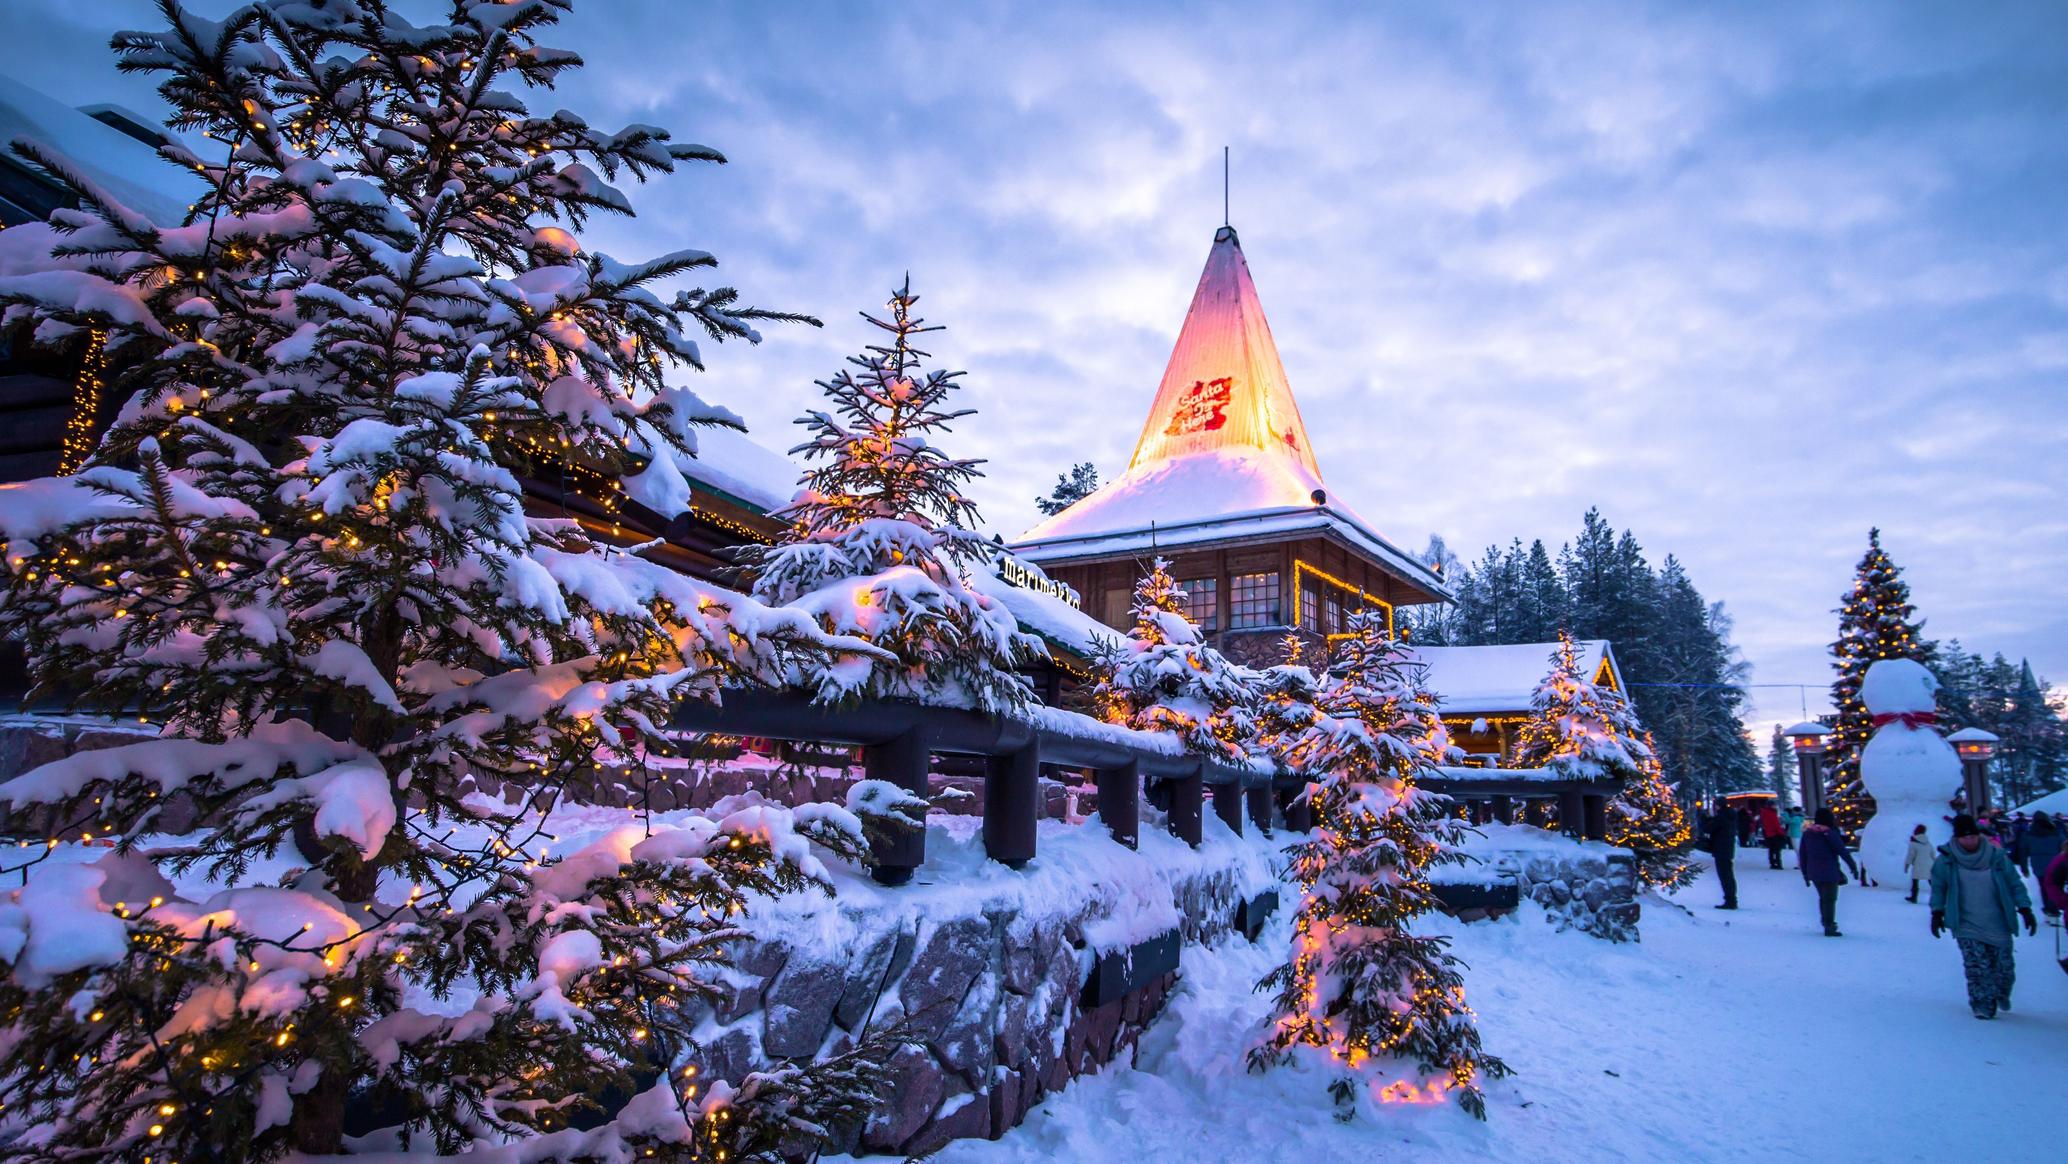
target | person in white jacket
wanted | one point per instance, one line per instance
(1917, 860)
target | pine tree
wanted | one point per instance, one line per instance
(1163, 678)
(878, 542)
(1874, 622)
(1386, 1006)
(1079, 483)
(304, 551)
(1780, 768)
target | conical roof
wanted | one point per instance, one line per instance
(1224, 386)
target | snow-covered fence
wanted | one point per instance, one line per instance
(1493, 795)
(899, 740)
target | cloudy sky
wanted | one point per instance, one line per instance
(1749, 278)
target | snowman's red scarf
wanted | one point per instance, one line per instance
(1911, 719)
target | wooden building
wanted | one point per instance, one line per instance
(1486, 691)
(1224, 483)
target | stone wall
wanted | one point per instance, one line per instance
(989, 972)
(1591, 888)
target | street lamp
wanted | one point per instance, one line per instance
(1975, 746)
(1808, 738)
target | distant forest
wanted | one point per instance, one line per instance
(1674, 646)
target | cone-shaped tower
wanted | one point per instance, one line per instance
(1224, 386)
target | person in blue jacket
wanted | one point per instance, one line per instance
(1823, 859)
(1977, 895)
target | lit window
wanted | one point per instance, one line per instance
(1310, 609)
(1253, 601)
(1202, 602)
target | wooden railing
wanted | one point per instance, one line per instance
(899, 740)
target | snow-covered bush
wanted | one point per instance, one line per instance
(880, 537)
(1163, 678)
(1382, 1007)
(303, 548)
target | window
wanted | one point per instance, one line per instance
(1332, 614)
(1310, 609)
(1202, 602)
(1253, 601)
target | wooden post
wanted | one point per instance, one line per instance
(1228, 806)
(1259, 799)
(1186, 808)
(1298, 809)
(1120, 805)
(1595, 806)
(1012, 805)
(1570, 812)
(1504, 809)
(903, 762)
(1533, 812)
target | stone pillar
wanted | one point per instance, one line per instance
(1187, 808)
(1228, 806)
(1504, 809)
(1120, 804)
(1810, 766)
(903, 762)
(1259, 799)
(1595, 808)
(1974, 779)
(1012, 805)
(1571, 813)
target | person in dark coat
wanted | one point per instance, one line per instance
(1744, 827)
(1773, 833)
(1721, 842)
(2035, 850)
(1977, 895)
(1823, 859)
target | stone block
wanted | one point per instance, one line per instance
(947, 962)
(912, 1089)
(798, 1007)
(753, 967)
(964, 1115)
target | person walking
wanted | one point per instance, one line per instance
(1793, 819)
(2035, 850)
(2053, 885)
(1917, 860)
(1721, 842)
(1977, 895)
(1823, 859)
(1773, 833)
(1744, 816)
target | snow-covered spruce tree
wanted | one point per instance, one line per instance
(304, 551)
(1578, 728)
(1647, 819)
(1286, 698)
(1162, 678)
(1874, 623)
(1385, 1007)
(881, 535)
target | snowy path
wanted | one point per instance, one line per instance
(1745, 1036)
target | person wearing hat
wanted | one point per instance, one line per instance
(1977, 895)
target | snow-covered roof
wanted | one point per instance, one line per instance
(727, 462)
(2053, 803)
(127, 168)
(1044, 614)
(1491, 680)
(1224, 454)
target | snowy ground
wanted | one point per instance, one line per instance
(1723, 1036)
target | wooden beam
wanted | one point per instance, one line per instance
(902, 761)
(1187, 810)
(1012, 805)
(1120, 804)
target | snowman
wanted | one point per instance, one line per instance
(1909, 770)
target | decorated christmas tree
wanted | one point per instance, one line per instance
(1381, 1007)
(1874, 622)
(1646, 818)
(1578, 728)
(1163, 678)
(304, 553)
(880, 537)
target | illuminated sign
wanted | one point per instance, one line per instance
(1203, 407)
(1018, 573)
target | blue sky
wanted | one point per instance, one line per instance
(1750, 278)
